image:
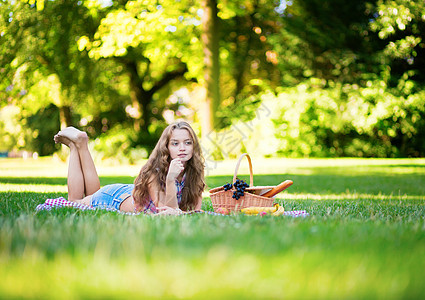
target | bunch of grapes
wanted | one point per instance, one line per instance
(240, 187)
(227, 186)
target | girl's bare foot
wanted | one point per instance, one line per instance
(78, 137)
(63, 140)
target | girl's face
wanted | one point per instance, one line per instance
(180, 145)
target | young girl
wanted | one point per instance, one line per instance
(172, 179)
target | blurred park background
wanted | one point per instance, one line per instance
(295, 78)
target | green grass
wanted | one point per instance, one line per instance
(364, 238)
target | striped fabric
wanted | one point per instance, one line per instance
(150, 208)
(179, 187)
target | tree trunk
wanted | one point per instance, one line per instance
(137, 94)
(65, 116)
(242, 51)
(210, 39)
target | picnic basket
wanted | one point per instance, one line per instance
(223, 199)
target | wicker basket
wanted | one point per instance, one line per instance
(223, 199)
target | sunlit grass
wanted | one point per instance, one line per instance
(49, 175)
(53, 167)
(219, 274)
(310, 166)
(38, 188)
(211, 257)
(364, 238)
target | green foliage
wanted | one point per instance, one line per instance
(161, 32)
(249, 61)
(42, 126)
(349, 120)
(157, 46)
(400, 25)
(117, 145)
(10, 134)
(348, 77)
(326, 39)
(43, 41)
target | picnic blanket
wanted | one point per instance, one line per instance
(62, 202)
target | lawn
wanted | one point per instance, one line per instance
(364, 238)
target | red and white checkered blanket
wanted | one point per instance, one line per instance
(62, 202)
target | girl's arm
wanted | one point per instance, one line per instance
(170, 197)
(161, 198)
(198, 205)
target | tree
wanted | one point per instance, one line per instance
(251, 63)
(369, 56)
(400, 25)
(156, 42)
(332, 39)
(210, 41)
(38, 41)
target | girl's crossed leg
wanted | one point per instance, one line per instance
(83, 180)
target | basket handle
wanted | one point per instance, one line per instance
(251, 179)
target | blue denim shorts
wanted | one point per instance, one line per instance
(112, 195)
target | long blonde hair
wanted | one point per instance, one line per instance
(156, 169)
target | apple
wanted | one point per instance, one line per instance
(222, 210)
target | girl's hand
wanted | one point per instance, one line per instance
(166, 210)
(176, 167)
